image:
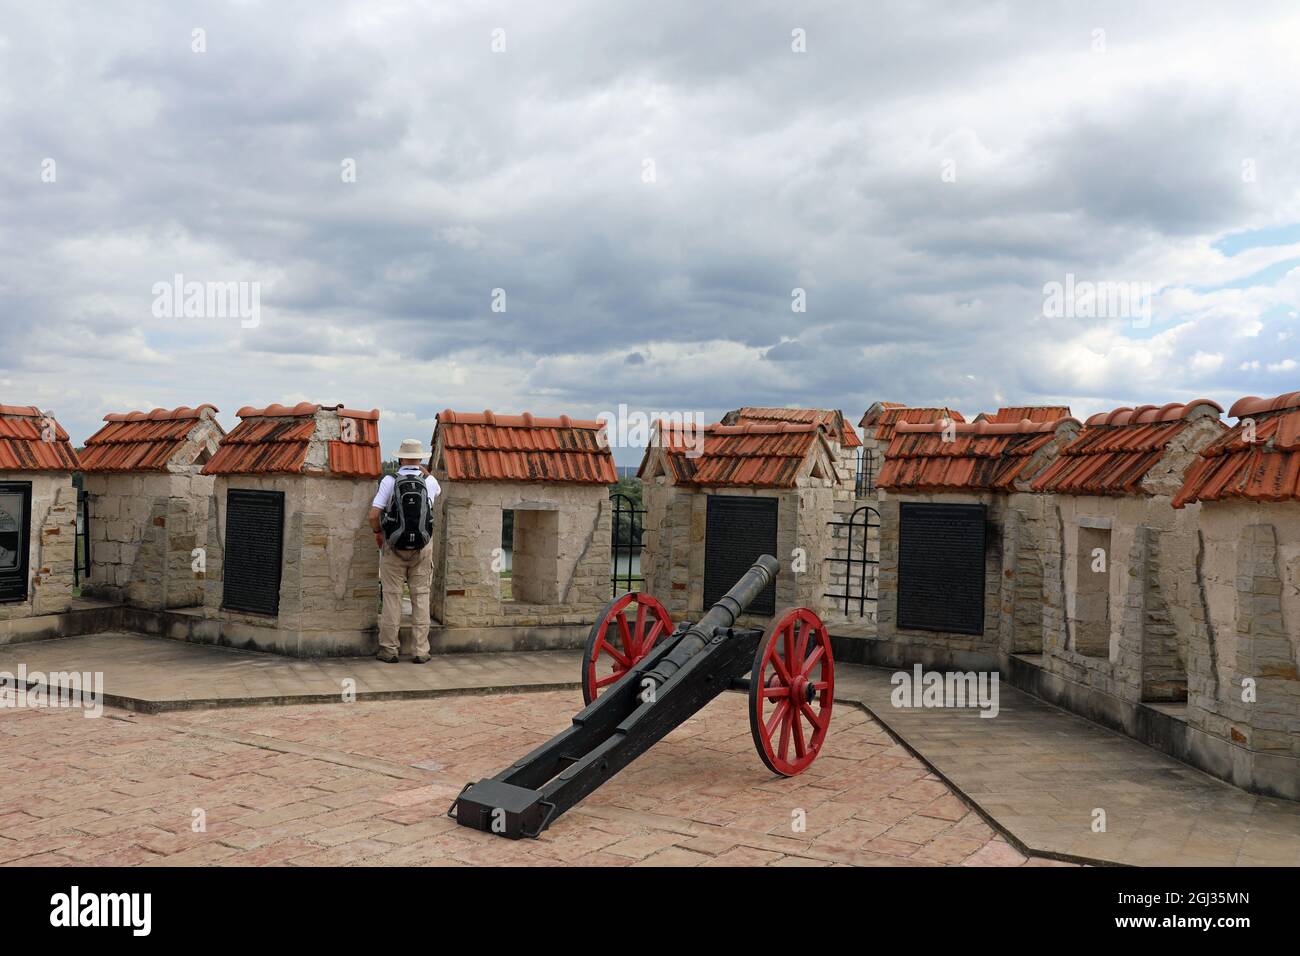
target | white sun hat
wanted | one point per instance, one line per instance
(411, 450)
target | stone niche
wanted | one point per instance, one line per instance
(292, 566)
(38, 522)
(552, 475)
(1119, 588)
(148, 505)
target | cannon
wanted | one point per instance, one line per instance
(642, 677)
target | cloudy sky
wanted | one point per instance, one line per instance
(648, 184)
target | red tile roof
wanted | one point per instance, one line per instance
(144, 441)
(1116, 450)
(1256, 460)
(739, 456)
(832, 419)
(879, 421)
(1034, 413)
(21, 444)
(484, 446)
(276, 440)
(983, 456)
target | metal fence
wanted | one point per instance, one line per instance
(864, 485)
(860, 568)
(625, 543)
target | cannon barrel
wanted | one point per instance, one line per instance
(722, 615)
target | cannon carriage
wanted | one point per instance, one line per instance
(642, 677)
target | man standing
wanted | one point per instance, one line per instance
(402, 518)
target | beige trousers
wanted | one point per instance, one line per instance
(414, 569)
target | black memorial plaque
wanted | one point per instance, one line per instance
(737, 531)
(941, 567)
(254, 550)
(15, 539)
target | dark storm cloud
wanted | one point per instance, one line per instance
(525, 171)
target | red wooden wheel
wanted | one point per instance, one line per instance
(791, 689)
(627, 629)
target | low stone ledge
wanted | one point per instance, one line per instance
(1271, 775)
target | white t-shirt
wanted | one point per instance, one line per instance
(386, 486)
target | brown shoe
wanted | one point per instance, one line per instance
(420, 659)
(387, 658)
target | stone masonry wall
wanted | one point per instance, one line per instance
(843, 577)
(53, 545)
(571, 565)
(674, 556)
(1151, 587)
(144, 528)
(1012, 581)
(666, 539)
(329, 588)
(1247, 626)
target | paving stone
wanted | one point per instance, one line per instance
(368, 783)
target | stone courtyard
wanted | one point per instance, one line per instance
(284, 772)
(369, 783)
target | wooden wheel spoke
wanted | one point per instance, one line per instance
(638, 636)
(778, 714)
(796, 719)
(771, 693)
(801, 649)
(613, 652)
(778, 665)
(624, 635)
(818, 721)
(656, 629)
(812, 660)
(788, 648)
(606, 681)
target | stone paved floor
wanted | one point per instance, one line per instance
(155, 674)
(369, 783)
(1038, 771)
(1041, 773)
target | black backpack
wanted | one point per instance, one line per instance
(408, 519)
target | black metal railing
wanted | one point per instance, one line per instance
(859, 588)
(625, 543)
(864, 484)
(81, 551)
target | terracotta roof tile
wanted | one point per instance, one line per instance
(879, 421)
(832, 419)
(484, 446)
(739, 456)
(278, 440)
(144, 441)
(980, 456)
(1258, 459)
(1033, 413)
(21, 444)
(1116, 450)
